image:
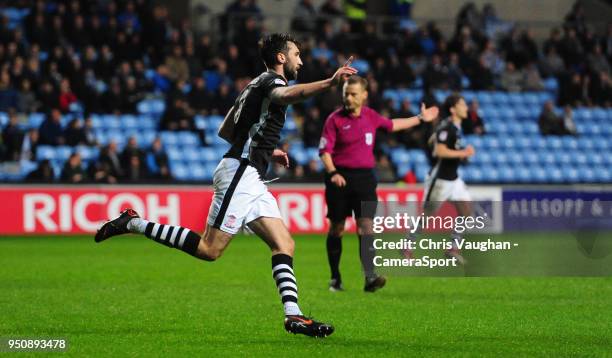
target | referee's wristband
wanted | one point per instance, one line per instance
(332, 173)
(420, 117)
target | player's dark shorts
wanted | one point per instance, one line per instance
(360, 187)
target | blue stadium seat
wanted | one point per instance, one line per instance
(485, 97)
(402, 169)
(538, 174)
(146, 121)
(570, 174)
(602, 143)
(197, 172)
(474, 173)
(418, 156)
(569, 143)
(523, 113)
(554, 142)
(110, 121)
(169, 138)
(208, 154)
(500, 98)
(399, 156)
(523, 142)
(523, 174)
(129, 121)
(87, 153)
(188, 139)
(603, 175)
(63, 152)
(530, 157)
(179, 170)
(200, 122)
(554, 174)
(490, 174)
(585, 144)
(587, 175)
(500, 157)
(174, 154)
(490, 142)
(191, 154)
(596, 159)
(421, 172)
(508, 143)
(45, 152)
(507, 174)
(474, 140)
(531, 128)
(35, 120)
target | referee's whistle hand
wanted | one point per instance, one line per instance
(338, 180)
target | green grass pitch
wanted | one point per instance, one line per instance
(132, 297)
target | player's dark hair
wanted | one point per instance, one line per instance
(450, 102)
(354, 79)
(270, 45)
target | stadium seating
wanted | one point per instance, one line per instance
(512, 150)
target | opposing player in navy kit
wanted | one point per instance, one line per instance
(443, 182)
(252, 126)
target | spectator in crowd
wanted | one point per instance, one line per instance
(42, 174)
(178, 68)
(550, 123)
(157, 161)
(511, 79)
(73, 171)
(110, 157)
(26, 98)
(200, 99)
(66, 96)
(12, 138)
(473, 124)
(51, 132)
(412, 138)
(29, 145)
(8, 95)
(130, 150)
(75, 134)
(304, 17)
(312, 127)
(136, 170)
(552, 64)
(178, 116)
(384, 169)
(533, 80)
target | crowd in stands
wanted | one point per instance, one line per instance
(82, 57)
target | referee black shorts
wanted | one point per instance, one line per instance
(360, 187)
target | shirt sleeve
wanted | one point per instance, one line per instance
(384, 122)
(445, 136)
(271, 83)
(328, 137)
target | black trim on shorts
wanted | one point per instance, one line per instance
(433, 181)
(227, 197)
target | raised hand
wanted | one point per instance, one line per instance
(429, 114)
(344, 72)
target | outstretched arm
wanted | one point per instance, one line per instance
(300, 92)
(427, 115)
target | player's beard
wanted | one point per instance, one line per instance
(290, 73)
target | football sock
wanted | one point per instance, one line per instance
(367, 253)
(168, 235)
(334, 251)
(282, 271)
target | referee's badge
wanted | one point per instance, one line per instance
(369, 138)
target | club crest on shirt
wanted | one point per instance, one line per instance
(369, 138)
(230, 221)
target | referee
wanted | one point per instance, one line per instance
(346, 150)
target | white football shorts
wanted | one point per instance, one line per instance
(240, 196)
